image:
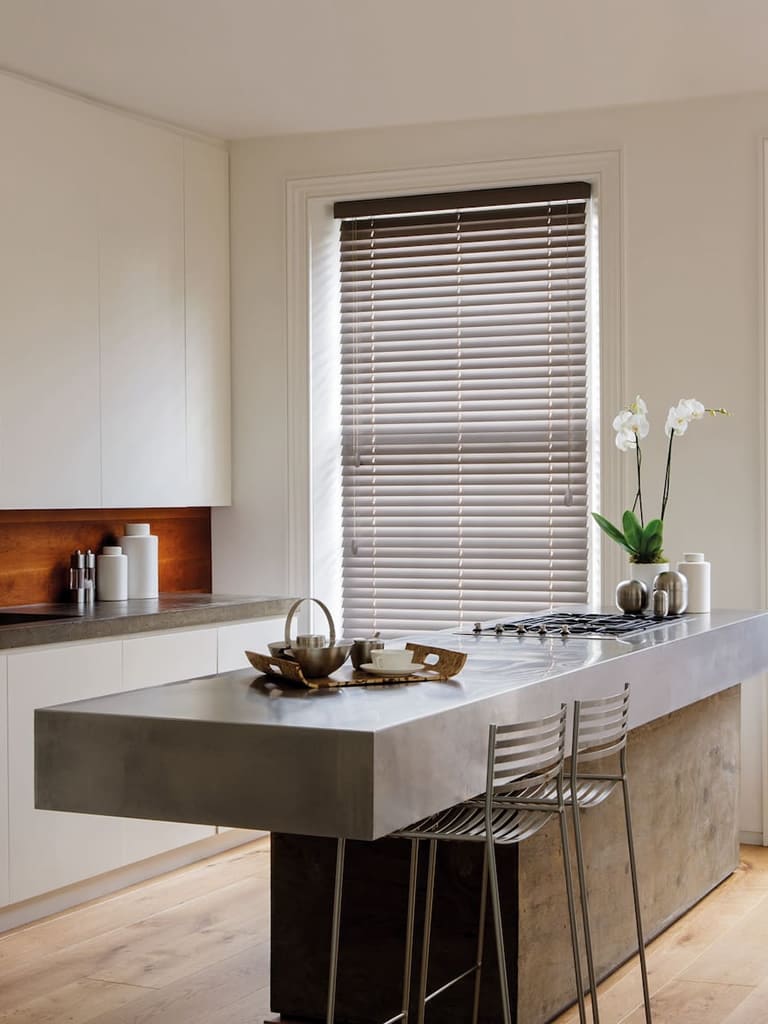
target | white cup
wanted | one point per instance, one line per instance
(392, 660)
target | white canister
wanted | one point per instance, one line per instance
(697, 572)
(111, 575)
(141, 548)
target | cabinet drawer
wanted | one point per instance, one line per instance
(239, 637)
(168, 657)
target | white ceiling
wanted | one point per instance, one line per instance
(240, 68)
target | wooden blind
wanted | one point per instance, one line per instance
(464, 406)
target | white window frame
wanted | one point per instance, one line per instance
(311, 327)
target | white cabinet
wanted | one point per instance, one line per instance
(4, 897)
(206, 248)
(238, 637)
(141, 314)
(150, 661)
(48, 849)
(49, 342)
(114, 309)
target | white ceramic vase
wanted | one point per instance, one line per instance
(647, 572)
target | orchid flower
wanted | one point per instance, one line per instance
(631, 426)
(644, 542)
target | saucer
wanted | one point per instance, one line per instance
(411, 670)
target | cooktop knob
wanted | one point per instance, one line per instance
(498, 629)
(564, 630)
(477, 628)
(543, 629)
(520, 629)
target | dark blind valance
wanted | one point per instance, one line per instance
(477, 198)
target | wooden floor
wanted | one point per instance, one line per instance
(192, 948)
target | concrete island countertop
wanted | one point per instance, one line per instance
(59, 623)
(237, 749)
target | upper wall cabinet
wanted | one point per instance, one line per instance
(49, 341)
(114, 309)
(206, 252)
(141, 315)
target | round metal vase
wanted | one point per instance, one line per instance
(632, 597)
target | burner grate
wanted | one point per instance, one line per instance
(584, 624)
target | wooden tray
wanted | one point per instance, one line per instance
(445, 665)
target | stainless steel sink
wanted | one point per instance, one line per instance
(20, 618)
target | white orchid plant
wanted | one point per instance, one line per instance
(644, 542)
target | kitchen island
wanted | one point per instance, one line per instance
(236, 749)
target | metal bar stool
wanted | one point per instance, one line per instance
(524, 789)
(336, 928)
(599, 732)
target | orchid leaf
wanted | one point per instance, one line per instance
(654, 528)
(633, 531)
(613, 532)
(652, 541)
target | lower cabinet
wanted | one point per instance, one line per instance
(48, 849)
(45, 850)
(4, 897)
(151, 661)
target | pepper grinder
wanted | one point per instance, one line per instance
(90, 577)
(77, 577)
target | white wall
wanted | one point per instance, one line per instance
(691, 304)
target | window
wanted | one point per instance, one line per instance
(464, 402)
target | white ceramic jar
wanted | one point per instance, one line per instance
(141, 548)
(697, 571)
(111, 575)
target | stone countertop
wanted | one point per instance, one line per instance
(59, 623)
(361, 762)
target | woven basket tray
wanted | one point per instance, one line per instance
(440, 663)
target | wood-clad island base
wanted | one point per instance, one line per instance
(684, 774)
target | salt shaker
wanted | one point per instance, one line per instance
(660, 604)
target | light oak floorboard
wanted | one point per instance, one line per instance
(140, 901)
(192, 947)
(77, 1003)
(754, 1009)
(199, 998)
(689, 940)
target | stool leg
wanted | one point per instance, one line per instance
(584, 904)
(572, 916)
(427, 930)
(480, 937)
(409, 928)
(496, 905)
(335, 927)
(636, 897)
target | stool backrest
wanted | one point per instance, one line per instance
(525, 755)
(600, 727)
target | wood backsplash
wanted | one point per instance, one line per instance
(35, 545)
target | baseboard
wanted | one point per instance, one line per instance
(752, 839)
(54, 902)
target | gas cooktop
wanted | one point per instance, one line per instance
(579, 624)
